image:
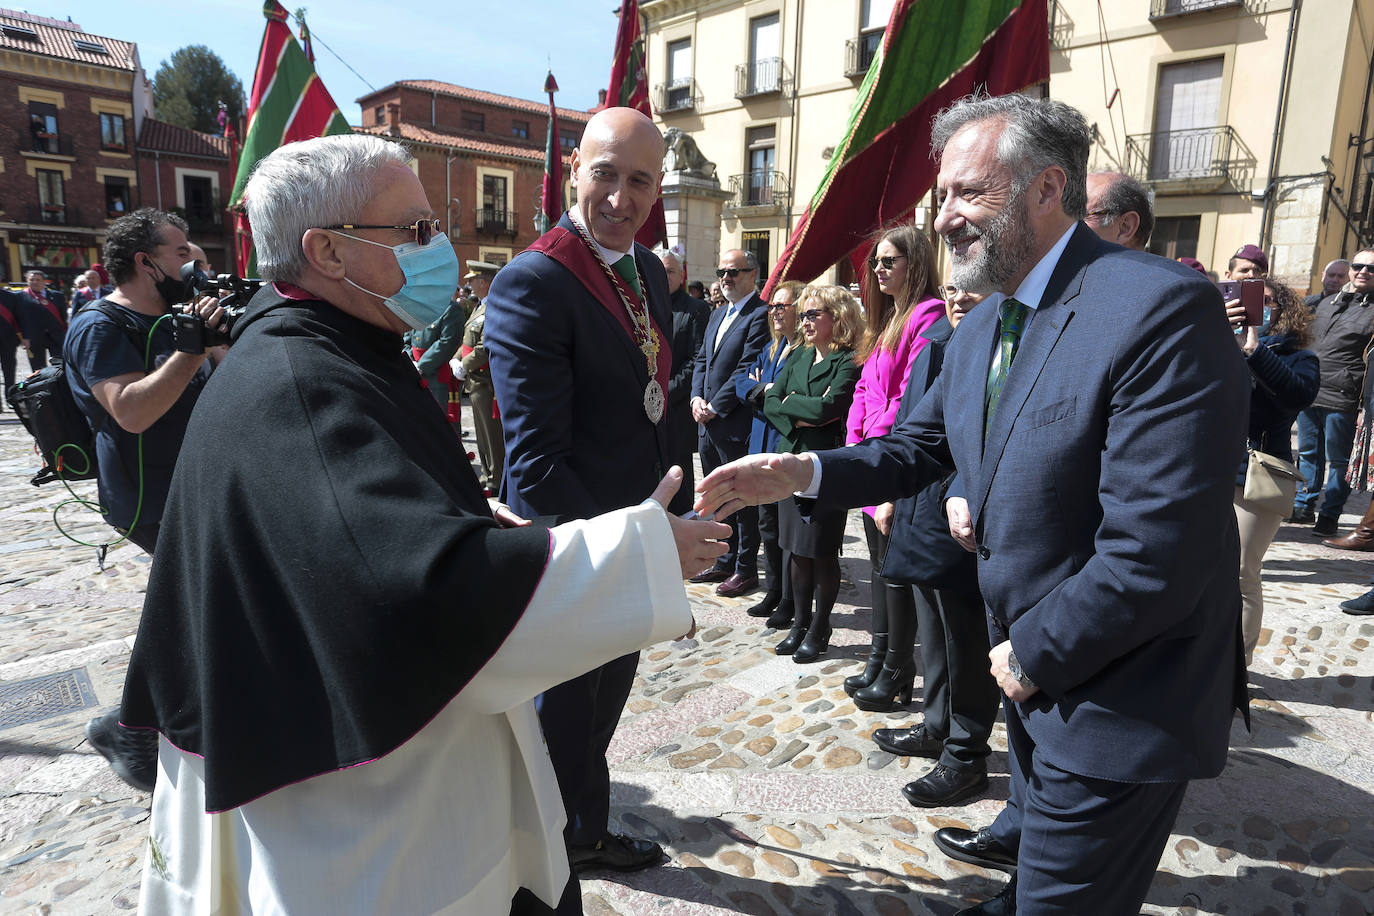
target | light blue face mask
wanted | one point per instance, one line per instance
(1264, 325)
(431, 273)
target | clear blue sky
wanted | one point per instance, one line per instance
(503, 47)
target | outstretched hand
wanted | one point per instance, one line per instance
(751, 481)
(699, 541)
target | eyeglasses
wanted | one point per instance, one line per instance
(949, 291)
(813, 314)
(886, 262)
(424, 229)
(779, 307)
(1356, 268)
(723, 272)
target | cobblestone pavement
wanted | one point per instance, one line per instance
(756, 773)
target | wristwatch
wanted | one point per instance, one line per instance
(1014, 667)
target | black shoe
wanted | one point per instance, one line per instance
(790, 642)
(813, 645)
(872, 667)
(909, 742)
(945, 786)
(615, 852)
(976, 848)
(1325, 527)
(1362, 606)
(764, 608)
(1004, 904)
(737, 586)
(132, 752)
(779, 620)
(714, 574)
(1301, 517)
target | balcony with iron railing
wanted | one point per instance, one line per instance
(1165, 9)
(676, 95)
(52, 215)
(758, 77)
(759, 190)
(1200, 157)
(497, 222)
(46, 144)
(207, 218)
(859, 52)
(1061, 26)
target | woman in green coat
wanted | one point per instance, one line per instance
(807, 405)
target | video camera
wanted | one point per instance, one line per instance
(192, 335)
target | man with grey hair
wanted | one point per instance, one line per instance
(1097, 437)
(327, 542)
(689, 329)
(1120, 209)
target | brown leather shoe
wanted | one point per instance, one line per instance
(1361, 538)
(737, 585)
(714, 574)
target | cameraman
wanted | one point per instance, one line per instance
(125, 388)
(137, 390)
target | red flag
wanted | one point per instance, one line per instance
(551, 200)
(630, 89)
(933, 53)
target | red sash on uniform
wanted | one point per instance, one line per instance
(48, 304)
(8, 317)
(568, 249)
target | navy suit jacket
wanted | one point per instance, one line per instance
(719, 370)
(1101, 503)
(570, 384)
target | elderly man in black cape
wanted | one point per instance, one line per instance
(340, 644)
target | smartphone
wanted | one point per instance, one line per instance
(1252, 300)
(1251, 296)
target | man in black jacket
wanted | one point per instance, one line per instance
(689, 329)
(1341, 330)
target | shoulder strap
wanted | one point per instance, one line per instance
(136, 335)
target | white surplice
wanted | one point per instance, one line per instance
(465, 813)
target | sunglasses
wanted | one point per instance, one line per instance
(1356, 268)
(886, 262)
(723, 272)
(778, 307)
(424, 229)
(813, 314)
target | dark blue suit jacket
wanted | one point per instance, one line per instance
(570, 384)
(763, 437)
(1102, 506)
(719, 370)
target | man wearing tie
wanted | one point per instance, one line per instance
(1097, 437)
(42, 319)
(735, 334)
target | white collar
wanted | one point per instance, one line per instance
(610, 255)
(1032, 289)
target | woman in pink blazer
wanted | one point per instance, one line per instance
(901, 298)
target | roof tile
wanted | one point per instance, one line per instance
(169, 138)
(57, 39)
(491, 98)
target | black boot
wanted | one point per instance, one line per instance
(765, 607)
(891, 689)
(795, 635)
(872, 666)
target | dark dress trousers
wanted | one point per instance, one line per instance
(1107, 546)
(689, 328)
(570, 382)
(716, 378)
(959, 695)
(9, 337)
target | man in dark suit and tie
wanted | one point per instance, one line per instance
(735, 334)
(577, 330)
(42, 319)
(689, 328)
(1095, 409)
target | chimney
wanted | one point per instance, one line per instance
(601, 98)
(393, 118)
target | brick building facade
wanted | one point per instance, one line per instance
(479, 155)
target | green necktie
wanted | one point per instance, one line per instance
(1014, 316)
(626, 268)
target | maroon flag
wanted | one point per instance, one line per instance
(630, 89)
(551, 200)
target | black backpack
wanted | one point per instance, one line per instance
(48, 411)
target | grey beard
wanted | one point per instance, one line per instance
(1006, 245)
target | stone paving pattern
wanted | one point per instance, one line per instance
(756, 773)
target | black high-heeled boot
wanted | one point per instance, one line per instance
(800, 627)
(815, 643)
(891, 689)
(872, 666)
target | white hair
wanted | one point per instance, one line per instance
(309, 184)
(677, 253)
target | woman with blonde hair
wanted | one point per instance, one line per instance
(763, 437)
(901, 299)
(807, 404)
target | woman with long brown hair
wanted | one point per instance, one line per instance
(901, 299)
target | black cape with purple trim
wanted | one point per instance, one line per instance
(328, 575)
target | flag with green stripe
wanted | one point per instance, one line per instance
(288, 103)
(933, 53)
